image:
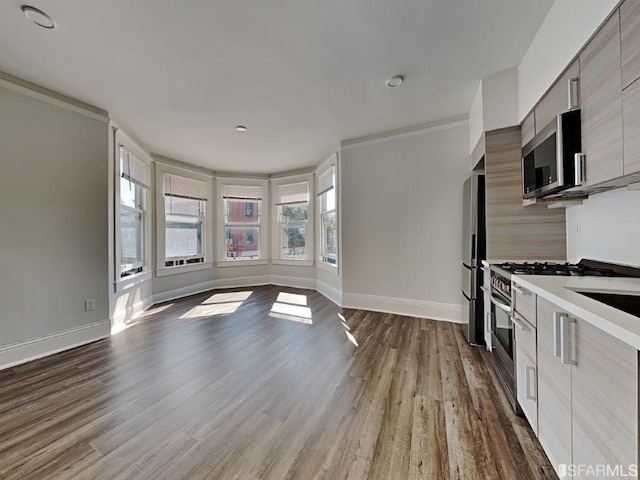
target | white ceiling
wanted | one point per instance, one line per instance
(300, 74)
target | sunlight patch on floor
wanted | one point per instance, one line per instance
(210, 310)
(292, 298)
(227, 297)
(296, 313)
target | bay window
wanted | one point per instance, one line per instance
(326, 187)
(134, 180)
(184, 207)
(242, 222)
(292, 213)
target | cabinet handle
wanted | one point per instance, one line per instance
(518, 323)
(567, 341)
(557, 333)
(574, 93)
(529, 391)
(520, 290)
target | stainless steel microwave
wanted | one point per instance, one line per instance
(552, 161)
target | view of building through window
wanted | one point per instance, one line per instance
(293, 230)
(242, 228)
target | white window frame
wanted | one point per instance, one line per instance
(262, 224)
(309, 229)
(162, 270)
(144, 208)
(322, 264)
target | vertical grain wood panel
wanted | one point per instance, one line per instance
(554, 391)
(513, 231)
(630, 41)
(631, 121)
(528, 128)
(556, 99)
(601, 102)
(604, 399)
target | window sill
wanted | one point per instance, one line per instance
(291, 262)
(240, 263)
(131, 281)
(328, 267)
(165, 271)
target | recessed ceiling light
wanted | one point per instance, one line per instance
(38, 17)
(395, 81)
(241, 128)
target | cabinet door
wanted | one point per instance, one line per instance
(630, 41)
(601, 102)
(528, 128)
(527, 387)
(556, 99)
(605, 399)
(631, 122)
(554, 391)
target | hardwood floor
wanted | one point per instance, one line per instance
(243, 384)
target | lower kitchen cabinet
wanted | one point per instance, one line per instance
(527, 390)
(554, 391)
(587, 392)
(604, 387)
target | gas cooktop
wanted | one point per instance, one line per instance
(580, 269)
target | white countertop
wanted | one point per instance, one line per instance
(560, 290)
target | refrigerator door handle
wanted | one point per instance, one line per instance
(473, 247)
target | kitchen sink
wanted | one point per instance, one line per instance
(625, 302)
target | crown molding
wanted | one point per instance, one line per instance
(405, 132)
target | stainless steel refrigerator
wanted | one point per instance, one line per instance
(473, 252)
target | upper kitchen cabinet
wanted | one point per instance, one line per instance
(513, 231)
(556, 100)
(601, 103)
(528, 128)
(630, 52)
(631, 118)
(630, 41)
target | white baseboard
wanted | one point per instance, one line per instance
(330, 292)
(169, 295)
(122, 317)
(22, 352)
(403, 306)
(294, 282)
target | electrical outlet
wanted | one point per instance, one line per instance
(578, 230)
(89, 305)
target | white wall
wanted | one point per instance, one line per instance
(476, 120)
(500, 99)
(609, 228)
(495, 105)
(565, 30)
(402, 223)
(53, 246)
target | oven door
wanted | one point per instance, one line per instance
(501, 325)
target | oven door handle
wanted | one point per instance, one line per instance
(502, 306)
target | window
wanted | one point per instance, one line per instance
(328, 219)
(242, 221)
(184, 210)
(292, 202)
(134, 178)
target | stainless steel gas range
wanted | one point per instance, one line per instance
(503, 343)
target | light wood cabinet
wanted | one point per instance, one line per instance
(630, 41)
(587, 393)
(631, 121)
(604, 411)
(524, 302)
(554, 391)
(556, 100)
(528, 128)
(601, 104)
(527, 387)
(515, 232)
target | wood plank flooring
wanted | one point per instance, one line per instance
(265, 383)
